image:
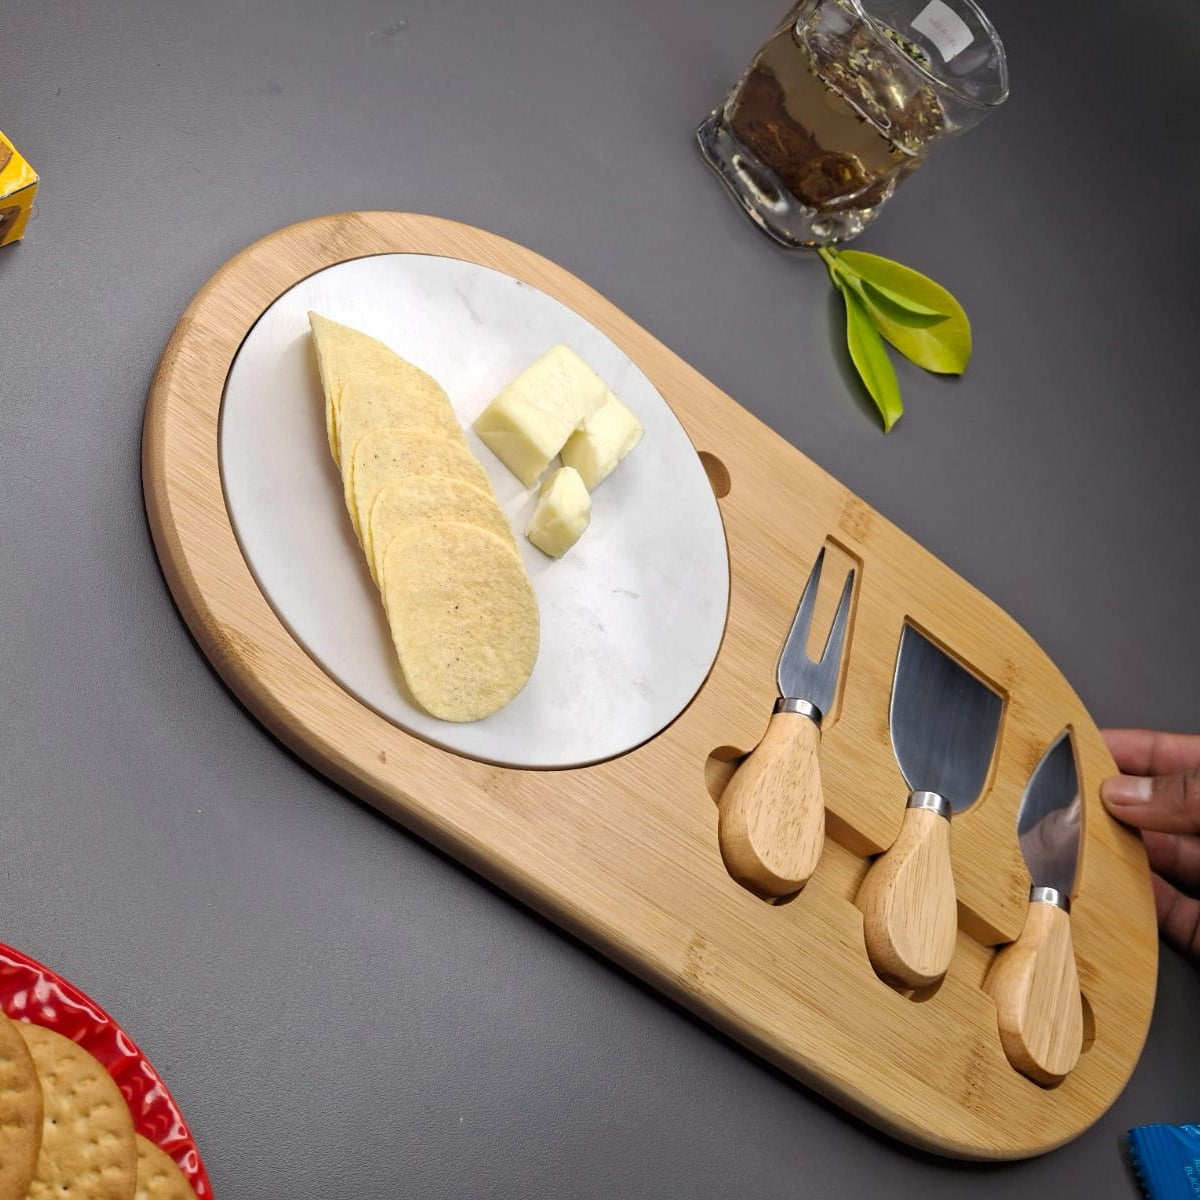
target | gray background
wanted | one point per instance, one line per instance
(340, 1010)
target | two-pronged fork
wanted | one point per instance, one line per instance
(771, 823)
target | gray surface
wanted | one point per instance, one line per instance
(340, 1010)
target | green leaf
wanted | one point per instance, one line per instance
(896, 297)
(901, 283)
(876, 302)
(900, 308)
(870, 359)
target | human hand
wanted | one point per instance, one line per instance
(1158, 793)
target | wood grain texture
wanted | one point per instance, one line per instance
(624, 854)
(771, 815)
(1036, 989)
(910, 917)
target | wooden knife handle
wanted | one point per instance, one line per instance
(910, 914)
(771, 815)
(1035, 985)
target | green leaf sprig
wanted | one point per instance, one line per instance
(886, 301)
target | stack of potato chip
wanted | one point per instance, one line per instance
(65, 1129)
(461, 609)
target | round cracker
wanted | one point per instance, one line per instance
(463, 617)
(158, 1174)
(88, 1148)
(422, 498)
(20, 1112)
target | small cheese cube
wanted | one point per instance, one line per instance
(526, 425)
(602, 440)
(562, 513)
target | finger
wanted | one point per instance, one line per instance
(1149, 752)
(1168, 803)
(1176, 858)
(1178, 917)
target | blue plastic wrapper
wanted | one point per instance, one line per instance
(1166, 1159)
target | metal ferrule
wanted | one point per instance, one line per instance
(801, 707)
(1049, 895)
(931, 801)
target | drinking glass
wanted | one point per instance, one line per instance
(845, 100)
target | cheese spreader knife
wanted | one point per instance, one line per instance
(771, 815)
(1033, 980)
(944, 723)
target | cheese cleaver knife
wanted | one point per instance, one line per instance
(771, 815)
(1033, 980)
(944, 723)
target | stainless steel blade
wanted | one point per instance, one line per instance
(944, 722)
(1049, 821)
(798, 676)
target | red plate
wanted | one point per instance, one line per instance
(34, 993)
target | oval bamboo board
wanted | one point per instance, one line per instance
(624, 854)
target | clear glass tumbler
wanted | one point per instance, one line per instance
(845, 99)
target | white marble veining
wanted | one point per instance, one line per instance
(632, 616)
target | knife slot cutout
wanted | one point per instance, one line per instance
(717, 472)
(1089, 1024)
(993, 685)
(839, 830)
(921, 995)
(719, 768)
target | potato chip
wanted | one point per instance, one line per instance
(463, 616)
(423, 498)
(462, 611)
(407, 399)
(333, 357)
(359, 519)
(377, 403)
(367, 385)
(385, 455)
(158, 1175)
(88, 1149)
(20, 1112)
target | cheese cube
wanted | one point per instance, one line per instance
(602, 440)
(526, 425)
(562, 513)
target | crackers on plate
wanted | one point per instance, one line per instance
(158, 1175)
(66, 1130)
(87, 1147)
(20, 1112)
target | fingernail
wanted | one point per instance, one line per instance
(1126, 789)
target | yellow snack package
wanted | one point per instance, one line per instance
(18, 186)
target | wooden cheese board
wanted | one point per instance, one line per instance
(624, 853)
